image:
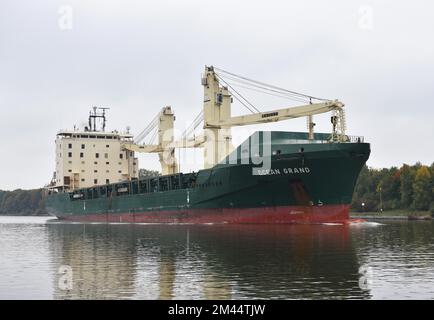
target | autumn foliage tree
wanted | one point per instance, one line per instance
(422, 189)
(409, 187)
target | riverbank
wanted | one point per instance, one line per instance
(393, 214)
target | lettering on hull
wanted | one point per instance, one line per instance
(284, 171)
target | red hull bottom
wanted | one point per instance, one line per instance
(266, 215)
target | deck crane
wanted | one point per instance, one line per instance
(163, 123)
(216, 139)
(218, 119)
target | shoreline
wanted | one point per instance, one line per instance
(393, 215)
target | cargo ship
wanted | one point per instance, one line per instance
(272, 177)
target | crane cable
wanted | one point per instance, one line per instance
(240, 96)
(196, 122)
(265, 90)
(271, 94)
(298, 94)
(151, 126)
(152, 140)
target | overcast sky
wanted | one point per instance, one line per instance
(59, 58)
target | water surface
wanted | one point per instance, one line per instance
(391, 260)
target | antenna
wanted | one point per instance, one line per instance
(93, 116)
(104, 119)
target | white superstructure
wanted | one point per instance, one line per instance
(87, 158)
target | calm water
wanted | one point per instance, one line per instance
(367, 261)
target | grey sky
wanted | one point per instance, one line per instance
(138, 56)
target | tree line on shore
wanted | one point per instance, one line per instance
(31, 202)
(410, 187)
(22, 202)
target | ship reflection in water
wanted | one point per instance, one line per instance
(206, 261)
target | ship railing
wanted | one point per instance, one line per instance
(347, 138)
(356, 139)
(136, 186)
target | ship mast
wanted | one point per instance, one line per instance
(94, 116)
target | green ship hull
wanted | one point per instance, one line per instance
(305, 182)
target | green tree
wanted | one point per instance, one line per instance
(397, 188)
(406, 186)
(365, 190)
(388, 188)
(431, 207)
(22, 202)
(2, 198)
(422, 189)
